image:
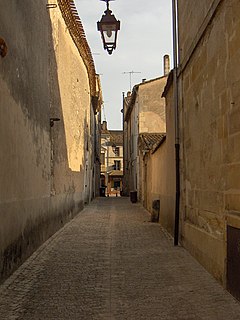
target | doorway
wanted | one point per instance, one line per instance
(233, 261)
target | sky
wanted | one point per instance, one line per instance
(144, 38)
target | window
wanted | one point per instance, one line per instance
(102, 158)
(117, 165)
(116, 185)
(117, 151)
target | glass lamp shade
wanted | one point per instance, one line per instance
(109, 27)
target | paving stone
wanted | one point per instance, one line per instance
(110, 262)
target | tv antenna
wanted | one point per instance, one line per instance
(130, 77)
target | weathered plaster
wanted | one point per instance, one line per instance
(46, 171)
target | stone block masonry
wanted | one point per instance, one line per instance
(110, 262)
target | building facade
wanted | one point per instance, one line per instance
(49, 100)
(208, 82)
(111, 160)
(144, 113)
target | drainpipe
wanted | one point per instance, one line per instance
(176, 105)
(124, 154)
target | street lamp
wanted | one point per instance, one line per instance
(109, 27)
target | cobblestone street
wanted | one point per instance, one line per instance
(110, 262)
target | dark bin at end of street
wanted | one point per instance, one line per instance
(155, 210)
(133, 196)
(102, 191)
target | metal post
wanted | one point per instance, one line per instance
(123, 127)
(107, 168)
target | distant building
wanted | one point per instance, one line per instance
(144, 113)
(111, 160)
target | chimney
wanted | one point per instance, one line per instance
(143, 80)
(104, 126)
(166, 61)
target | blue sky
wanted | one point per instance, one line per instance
(145, 37)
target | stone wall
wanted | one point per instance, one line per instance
(44, 169)
(210, 127)
(191, 20)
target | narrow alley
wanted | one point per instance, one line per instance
(110, 262)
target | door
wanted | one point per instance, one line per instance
(233, 261)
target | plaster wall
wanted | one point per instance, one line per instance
(165, 180)
(162, 186)
(72, 146)
(42, 168)
(210, 131)
(158, 173)
(152, 106)
(131, 144)
(125, 160)
(147, 115)
(24, 128)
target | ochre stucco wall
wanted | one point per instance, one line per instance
(167, 172)
(24, 129)
(152, 106)
(157, 172)
(43, 169)
(72, 160)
